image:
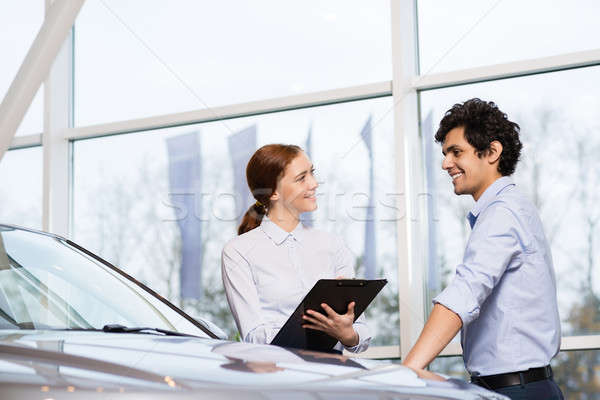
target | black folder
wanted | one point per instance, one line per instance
(337, 293)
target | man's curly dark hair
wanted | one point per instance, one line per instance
(483, 123)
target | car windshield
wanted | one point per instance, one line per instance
(46, 283)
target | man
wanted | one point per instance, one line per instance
(503, 297)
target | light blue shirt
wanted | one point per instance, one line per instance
(505, 289)
(267, 272)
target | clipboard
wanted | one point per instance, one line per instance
(337, 293)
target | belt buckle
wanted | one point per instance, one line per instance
(477, 380)
(522, 379)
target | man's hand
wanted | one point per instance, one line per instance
(424, 374)
(335, 325)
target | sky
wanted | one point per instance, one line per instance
(471, 33)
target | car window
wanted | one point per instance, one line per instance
(47, 284)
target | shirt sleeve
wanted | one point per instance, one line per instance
(242, 297)
(494, 243)
(344, 261)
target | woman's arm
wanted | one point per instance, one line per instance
(334, 324)
(345, 261)
(242, 297)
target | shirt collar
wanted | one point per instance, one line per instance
(488, 196)
(278, 235)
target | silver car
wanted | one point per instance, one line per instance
(73, 326)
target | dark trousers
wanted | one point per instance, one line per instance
(546, 389)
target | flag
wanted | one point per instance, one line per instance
(307, 217)
(185, 171)
(241, 147)
(370, 253)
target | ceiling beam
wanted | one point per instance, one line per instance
(35, 67)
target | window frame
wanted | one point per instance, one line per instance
(405, 87)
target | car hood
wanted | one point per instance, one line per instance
(73, 364)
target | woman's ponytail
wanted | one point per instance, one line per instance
(265, 168)
(252, 218)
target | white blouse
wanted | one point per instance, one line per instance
(267, 272)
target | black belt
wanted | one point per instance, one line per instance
(513, 378)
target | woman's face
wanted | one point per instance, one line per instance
(297, 187)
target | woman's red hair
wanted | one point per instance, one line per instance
(265, 168)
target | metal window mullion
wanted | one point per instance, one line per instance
(585, 342)
(568, 343)
(339, 95)
(404, 71)
(508, 70)
(57, 118)
(286, 103)
(21, 142)
(361, 92)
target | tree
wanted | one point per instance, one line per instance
(578, 372)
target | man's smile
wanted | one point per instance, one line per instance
(455, 175)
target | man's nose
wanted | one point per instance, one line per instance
(446, 163)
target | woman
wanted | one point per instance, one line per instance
(268, 269)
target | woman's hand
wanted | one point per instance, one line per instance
(336, 325)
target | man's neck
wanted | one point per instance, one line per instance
(489, 182)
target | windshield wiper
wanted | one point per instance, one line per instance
(116, 328)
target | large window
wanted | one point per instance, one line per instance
(559, 172)
(21, 189)
(470, 33)
(20, 23)
(139, 58)
(126, 208)
(136, 59)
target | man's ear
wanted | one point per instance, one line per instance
(494, 152)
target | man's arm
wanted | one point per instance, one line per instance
(442, 325)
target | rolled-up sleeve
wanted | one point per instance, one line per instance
(243, 299)
(492, 245)
(344, 261)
